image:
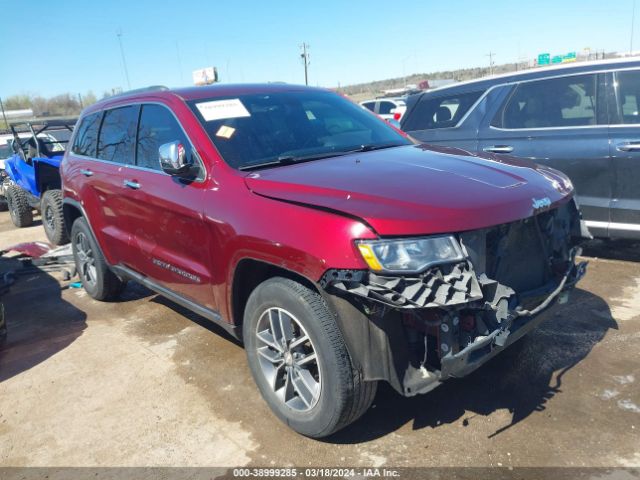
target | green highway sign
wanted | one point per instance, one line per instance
(544, 59)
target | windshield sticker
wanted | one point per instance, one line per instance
(221, 109)
(225, 131)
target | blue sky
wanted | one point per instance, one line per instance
(75, 48)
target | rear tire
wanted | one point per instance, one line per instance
(96, 277)
(53, 217)
(19, 208)
(311, 385)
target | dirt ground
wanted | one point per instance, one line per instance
(142, 382)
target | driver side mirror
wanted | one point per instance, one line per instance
(174, 159)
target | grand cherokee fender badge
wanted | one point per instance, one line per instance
(540, 203)
(174, 269)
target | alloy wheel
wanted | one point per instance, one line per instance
(288, 359)
(86, 259)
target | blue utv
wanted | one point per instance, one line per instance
(32, 175)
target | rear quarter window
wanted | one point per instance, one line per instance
(370, 106)
(86, 140)
(440, 112)
(117, 137)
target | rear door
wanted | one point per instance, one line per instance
(560, 122)
(102, 149)
(170, 242)
(625, 154)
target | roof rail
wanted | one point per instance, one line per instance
(152, 88)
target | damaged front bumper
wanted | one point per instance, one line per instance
(455, 317)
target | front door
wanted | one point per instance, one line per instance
(170, 242)
(562, 123)
(625, 154)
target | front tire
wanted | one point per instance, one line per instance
(53, 217)
(96, 277)
(299, 360)
(19, 208)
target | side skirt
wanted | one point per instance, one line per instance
(211, 315)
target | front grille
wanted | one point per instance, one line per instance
(525, 254)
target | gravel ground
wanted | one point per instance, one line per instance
(142, 382)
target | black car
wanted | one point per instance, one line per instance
(582, 119)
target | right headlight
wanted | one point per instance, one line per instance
(411, 255)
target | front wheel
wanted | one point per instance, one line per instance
(299, 360)
(53, 217)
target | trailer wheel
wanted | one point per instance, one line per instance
(19, 208)
(53, 217)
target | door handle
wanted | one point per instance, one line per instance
(498, 149)
(86, 173)
(131, 184)
(633, 146)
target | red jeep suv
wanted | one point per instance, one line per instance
(339, 251)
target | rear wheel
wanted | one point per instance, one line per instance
(299, 360)
(19, 208)
(53, 217)
(96, 277)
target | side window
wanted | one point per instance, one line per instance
(557, 102)
(118, 135)
(386, 107)
(86, 140)
(629, 96)
(157, 126)
(369, 106)
(440, 112)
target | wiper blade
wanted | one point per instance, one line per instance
(371, 147)
(291, 159)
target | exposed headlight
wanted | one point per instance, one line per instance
(409, 255)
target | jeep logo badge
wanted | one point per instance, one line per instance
(540, 203)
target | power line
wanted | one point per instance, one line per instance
(305, 59)
(124, 61)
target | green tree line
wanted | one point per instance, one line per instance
(59, 105)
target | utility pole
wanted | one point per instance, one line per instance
(6, 124)
(124, 61)
(305, 59)
(490, 55)
(633, 18)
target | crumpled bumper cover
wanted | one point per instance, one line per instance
(454, 289)
(458, 286)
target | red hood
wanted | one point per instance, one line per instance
(417, 190)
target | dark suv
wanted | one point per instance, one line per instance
(583, 119)
(339, 252)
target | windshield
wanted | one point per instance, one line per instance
(252, 130)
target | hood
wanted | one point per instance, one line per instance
(418, 189)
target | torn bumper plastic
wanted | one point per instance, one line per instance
(455, 292)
